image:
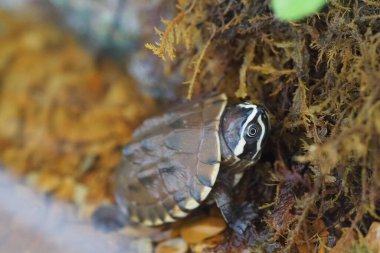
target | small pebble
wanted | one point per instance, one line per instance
(208, 244)
(141, 245)
(141, 231)
(31, 178)
(201, 229)
(80, 193)
(66, 190)
(176, 245)
(48, 182)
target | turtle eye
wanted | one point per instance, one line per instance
(252, 131)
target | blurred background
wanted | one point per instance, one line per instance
(75, 80)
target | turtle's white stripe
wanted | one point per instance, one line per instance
(258, 144)
(240, 146)
(248, 106)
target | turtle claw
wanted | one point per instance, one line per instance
(239, 227)
(237, 216)
(109, 218)
(244, 214)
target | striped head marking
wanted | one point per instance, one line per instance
(245, 129)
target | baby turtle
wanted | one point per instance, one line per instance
(176, 160)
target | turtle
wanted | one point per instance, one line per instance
(182, 159)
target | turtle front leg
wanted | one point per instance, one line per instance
(237, 216)
(109, 218)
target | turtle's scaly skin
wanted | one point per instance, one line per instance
(172, 163)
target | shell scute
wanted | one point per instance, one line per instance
(172, 208)
(213, 111)
(172, 163)
(209, 149)
(199, 192)
(207, 173)
(173, 177)
(183, 140)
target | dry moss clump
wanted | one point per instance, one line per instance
(319, 78)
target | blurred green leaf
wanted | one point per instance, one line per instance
(293, 10)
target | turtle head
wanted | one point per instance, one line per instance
(245, 130)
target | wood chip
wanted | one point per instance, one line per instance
(346, 242)
(176, 245)
(204, 228)
(373, 237)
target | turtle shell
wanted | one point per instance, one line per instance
(172, 163)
